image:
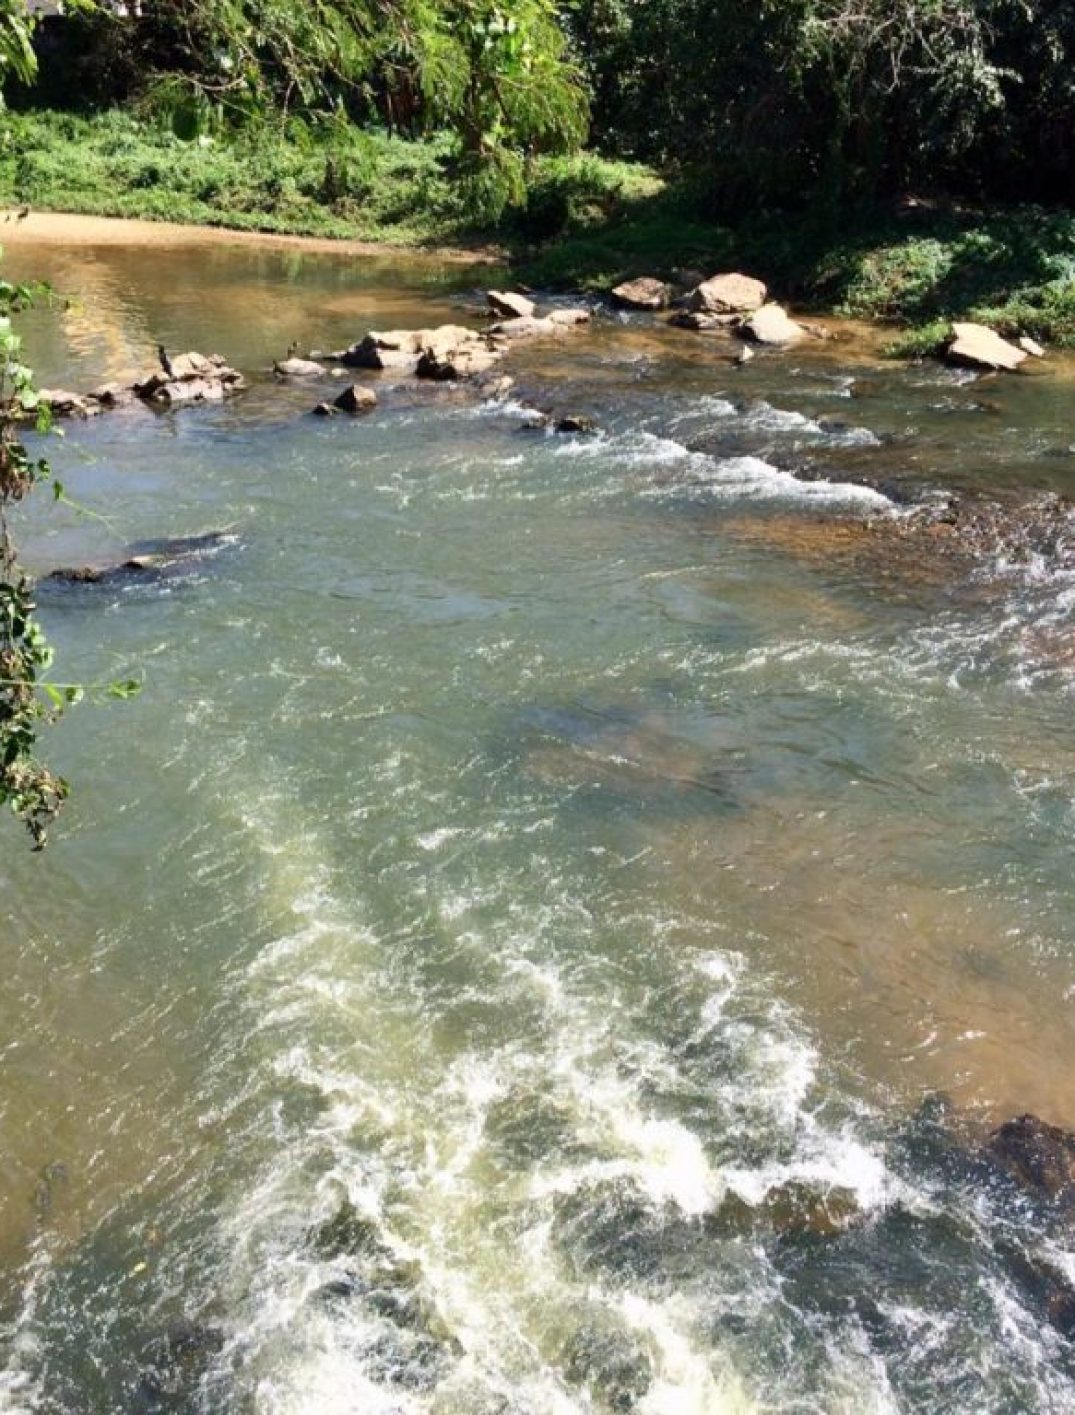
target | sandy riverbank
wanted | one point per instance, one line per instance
(69, 229)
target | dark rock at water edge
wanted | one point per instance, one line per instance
(1040, 1157)
(146, 561)
(356, 399)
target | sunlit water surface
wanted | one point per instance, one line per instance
(521, 863)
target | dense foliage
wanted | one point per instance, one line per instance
(495, 74)
(781, 101)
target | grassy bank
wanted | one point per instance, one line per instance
(588, 222)
(916, 268)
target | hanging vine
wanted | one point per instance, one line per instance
(33, 791)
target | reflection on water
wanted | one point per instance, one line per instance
(506, 959)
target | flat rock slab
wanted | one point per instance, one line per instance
(646, 293)
(773, 325)
(977, 346)
(509, 304)
(298, 368)
(729, 294)
(554, 323)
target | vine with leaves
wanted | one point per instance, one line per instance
(32, 790)
(28, 700)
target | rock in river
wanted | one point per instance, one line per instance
(646, 293)
(356, 399)
(298, 368)
(531, 328)
(147, 561)
(508, 304)
(976, 346)
(729, 294)
(62, 403)
(699, 320)
(402, 349)
(191, 378)
(1039, 1156)
(773, 325)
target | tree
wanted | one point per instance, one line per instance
(497, 73)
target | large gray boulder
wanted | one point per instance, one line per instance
(977, 346)
(645, 293)
(729, 294)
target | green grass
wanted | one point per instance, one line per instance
(1011, 268)
(360, 185)
(588, 222)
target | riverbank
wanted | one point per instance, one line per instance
(65, 228)
(588, 223)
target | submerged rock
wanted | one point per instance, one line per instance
(976, 346)
(176, 1361)
(795, 1209)
(347, 1234)
(508, 304)
(731, 293)
(646, 293)
(1040, 1157)
(574, 423)
(612, 1364)
(146, 561)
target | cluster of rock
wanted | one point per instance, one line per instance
(186, 378)
(739, 304)
(730, 302)
(445, 353)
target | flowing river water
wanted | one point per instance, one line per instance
(563, 916)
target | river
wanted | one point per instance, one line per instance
(564, 914)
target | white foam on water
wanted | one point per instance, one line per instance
(21, 1389)
(746, 478)
(764, 417)
(753, 479)
(684, 1378)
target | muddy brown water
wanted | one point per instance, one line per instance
(524, 847)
